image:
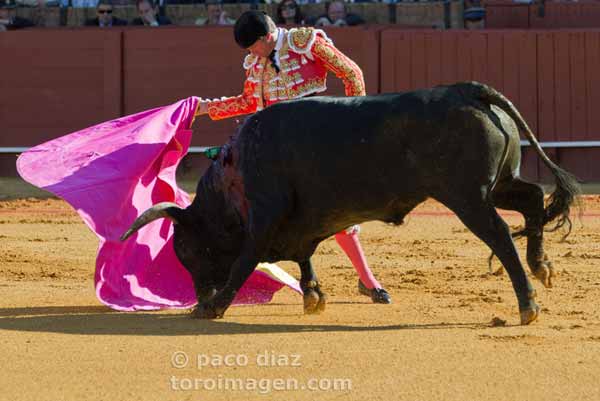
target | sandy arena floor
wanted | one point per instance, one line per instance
(436, 342)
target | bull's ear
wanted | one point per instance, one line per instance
(168, 210)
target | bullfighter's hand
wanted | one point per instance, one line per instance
(202, 108)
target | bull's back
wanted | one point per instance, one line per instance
(336, 143)
(349, 159)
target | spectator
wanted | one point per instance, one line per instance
(9, 21)
(215, 15)
(288, 13)
(148, 14)
(104, 16)
(337, 15)
(474, 18)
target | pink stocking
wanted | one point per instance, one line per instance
(351, 246)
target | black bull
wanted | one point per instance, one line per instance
(300, 171)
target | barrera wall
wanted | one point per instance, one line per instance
(56, 81)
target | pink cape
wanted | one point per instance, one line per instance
(112, 172)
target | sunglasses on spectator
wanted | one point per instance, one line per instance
(105, 11)
(288, 7)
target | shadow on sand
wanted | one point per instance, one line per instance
(100, 320)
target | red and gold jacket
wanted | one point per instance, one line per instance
(304, 56)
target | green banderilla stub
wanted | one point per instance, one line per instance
(212, 152)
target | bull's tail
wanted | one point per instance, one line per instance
(567, 188)
(167, 210)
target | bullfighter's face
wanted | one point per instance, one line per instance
(263, 46)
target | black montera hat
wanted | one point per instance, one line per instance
(250, 26)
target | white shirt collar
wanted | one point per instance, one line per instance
(280, 38)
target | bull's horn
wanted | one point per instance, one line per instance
(155, 212)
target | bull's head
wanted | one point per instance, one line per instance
(205, 244)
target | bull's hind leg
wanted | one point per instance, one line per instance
(483, 220)
(528, 199)
(314, 299)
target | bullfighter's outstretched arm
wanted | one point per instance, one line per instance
(245, 103)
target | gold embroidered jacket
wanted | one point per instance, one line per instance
(305, 57)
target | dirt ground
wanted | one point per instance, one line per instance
(437, 341)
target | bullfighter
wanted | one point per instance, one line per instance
(289, 64)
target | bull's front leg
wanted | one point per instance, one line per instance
(241, 269)
(314, 299)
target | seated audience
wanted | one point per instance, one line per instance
(288, 13)
(215, 15)
(336, 15)
(104, 16)
(148, 14)
(474, 18)
(9, 21)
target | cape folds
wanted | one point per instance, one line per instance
(111, 173)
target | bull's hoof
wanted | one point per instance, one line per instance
(543, 270)
(205, 294)
(545, 273)
(314, 302)
(529, 315)
(206, 311)
(322, 303)
(378, 295)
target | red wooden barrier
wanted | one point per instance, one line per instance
(162, 66)
(57, 81)
(551, 76)
(70, 79)
(569, 92)
(505, 60)
(361, 44)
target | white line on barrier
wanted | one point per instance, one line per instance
(17, 149)
(557, 144)
(566, 144)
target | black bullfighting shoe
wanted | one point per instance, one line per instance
(378, 295)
